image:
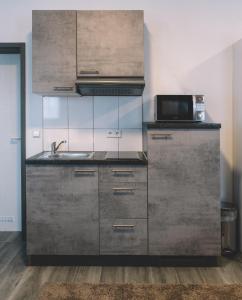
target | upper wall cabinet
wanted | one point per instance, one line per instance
(54, 52)
(110, 43)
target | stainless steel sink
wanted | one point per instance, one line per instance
(67, 155)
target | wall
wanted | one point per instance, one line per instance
(188, 49)
(91, 123)
(238, 129)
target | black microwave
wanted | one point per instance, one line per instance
(179, 108)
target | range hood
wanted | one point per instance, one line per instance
(111, 86)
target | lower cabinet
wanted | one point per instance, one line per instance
(184, 192)
(62, 210)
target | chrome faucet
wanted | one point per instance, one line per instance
(54, 148)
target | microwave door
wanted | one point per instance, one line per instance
(174, 108)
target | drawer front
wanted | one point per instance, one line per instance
(123, 200)
(123, 237)
(123, 173)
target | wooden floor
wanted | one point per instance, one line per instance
(18, 282)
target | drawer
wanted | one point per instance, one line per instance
(123, 173)
(123, 200)
(123, 237)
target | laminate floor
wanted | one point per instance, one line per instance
(19, 282)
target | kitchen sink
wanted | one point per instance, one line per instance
(67, 155)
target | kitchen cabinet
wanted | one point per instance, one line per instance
(62, 210)
(123, 209)
(110, 43)
(54, 52)
(183, 192)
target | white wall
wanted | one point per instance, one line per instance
(238, 129)
(188, 49)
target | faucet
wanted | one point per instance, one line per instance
(54, 148)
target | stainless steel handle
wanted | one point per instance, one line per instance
(123, 189)
(161, 135)
(122, 171)
(123, 226)
(85, 171)
(63, 88)
(89, 72)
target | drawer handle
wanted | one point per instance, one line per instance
(88, 72)
(122, 171)
(164, 136)
(63, 88)
(85, 171)
(123, 189)
(123, 226)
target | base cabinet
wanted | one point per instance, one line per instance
(62, 210)
(183, 192)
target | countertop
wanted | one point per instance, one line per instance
(99, 157)
(181, 125)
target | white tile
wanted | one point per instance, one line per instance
(104, 143)
(131, 140)
(55, 135)
(130, 112)
(55, 112)
(80, 140)
(80, 112)
(105, 112)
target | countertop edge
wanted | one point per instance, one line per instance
(181, 125)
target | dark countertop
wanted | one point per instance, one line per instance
(98, 158)
(181, 125)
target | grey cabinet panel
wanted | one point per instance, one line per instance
(183, 192)
(110, 43)
(123, 236)
(122, 173)
(123, 200)
(62, 210)
(54, 52)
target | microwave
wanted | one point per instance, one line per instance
(179, 108)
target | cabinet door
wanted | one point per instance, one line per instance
(183, 192)
(54, 52)
(110, 43)
(62, 210)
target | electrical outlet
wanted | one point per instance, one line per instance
(6, 219)
(114, 133)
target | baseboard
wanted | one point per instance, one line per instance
(122, 260)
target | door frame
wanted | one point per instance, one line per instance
(19, 48)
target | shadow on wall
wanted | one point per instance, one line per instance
(214, 79)
(148, 102)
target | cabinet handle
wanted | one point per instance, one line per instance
(63, 88)
(88, 72)
(123, 189)
(122, 226)
(122, 171)
(85, 171)
(164, 136)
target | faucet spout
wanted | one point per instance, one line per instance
(54, 148)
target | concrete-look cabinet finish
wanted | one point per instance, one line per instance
(110, 43)
(62, 210)
(54, 52)
(71, 44)
(183, 192)
(69, 206)
(123, 209)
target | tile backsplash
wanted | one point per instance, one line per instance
(86, 122)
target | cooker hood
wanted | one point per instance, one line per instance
(110, 86)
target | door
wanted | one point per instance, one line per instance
(62, 210)
(183, 192)
(110, 43)
(54, 52)
(10, 150)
